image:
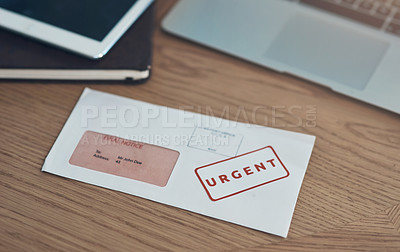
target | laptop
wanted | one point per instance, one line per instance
(351, 46)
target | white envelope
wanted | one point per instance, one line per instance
(241, 173)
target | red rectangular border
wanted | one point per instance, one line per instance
(229, 195)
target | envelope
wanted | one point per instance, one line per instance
(237, 172)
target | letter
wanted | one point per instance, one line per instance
(275, 115)
(254, 116)
(102, 141)
(128, 116)
(271, 161)
(223, 178)
(300, 122)
(164, 117)
(88, 112)
(237, 116)
(236, 176)
(213, 180)
(108, 112)
(247, 170)
(97, 139)
(85, 140)
(260, 166)
(217, 121)
(185, 119)
(149, 113)
(311, 109)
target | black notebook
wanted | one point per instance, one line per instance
(129, 58)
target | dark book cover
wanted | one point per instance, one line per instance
(129, 58)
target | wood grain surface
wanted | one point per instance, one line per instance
(349, 200)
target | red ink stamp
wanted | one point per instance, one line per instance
(238, 174)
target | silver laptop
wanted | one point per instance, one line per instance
(351, 46)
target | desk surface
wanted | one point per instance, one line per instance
(349, 200)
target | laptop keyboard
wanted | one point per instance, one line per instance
(382, 14)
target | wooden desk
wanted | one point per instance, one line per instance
(349, 200)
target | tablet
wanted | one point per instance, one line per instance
(87, 27)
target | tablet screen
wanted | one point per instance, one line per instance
(90, 18)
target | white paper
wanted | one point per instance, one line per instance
(201, 140)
